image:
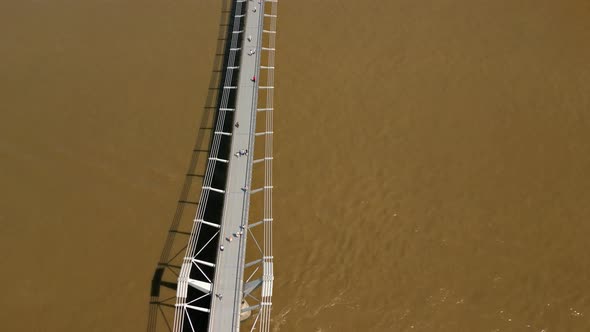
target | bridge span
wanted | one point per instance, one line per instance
(225, 281)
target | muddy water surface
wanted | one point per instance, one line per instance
(431, 169)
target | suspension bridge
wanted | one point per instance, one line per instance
(224, 271)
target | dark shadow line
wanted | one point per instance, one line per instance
(165, 319)
(166, 305)
(178, 253)
(196, 175)
(168, 299)
(179, 232)
(172, 271)
(174, 266)
(188, 202)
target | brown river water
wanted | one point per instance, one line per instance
(432, 161)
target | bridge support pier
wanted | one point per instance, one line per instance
(245, 314)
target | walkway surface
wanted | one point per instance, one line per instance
(228, 283)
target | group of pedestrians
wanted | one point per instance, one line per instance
(229, 239)
(243, 152)
(240, 153)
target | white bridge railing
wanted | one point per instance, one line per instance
(270, 16)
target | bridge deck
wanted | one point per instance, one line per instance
(228, 282)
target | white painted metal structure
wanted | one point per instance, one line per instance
(243, 267)
(267, 108)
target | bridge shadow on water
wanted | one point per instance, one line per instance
(164, 281)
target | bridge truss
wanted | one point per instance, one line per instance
(196, 274)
